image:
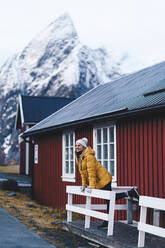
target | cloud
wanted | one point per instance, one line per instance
(132, 27)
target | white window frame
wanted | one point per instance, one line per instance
(36, 154)
(101, 126)
(68, 177)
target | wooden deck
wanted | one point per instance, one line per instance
(125, 236)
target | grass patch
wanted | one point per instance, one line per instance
(13, 169)
(37, 217)
(43, 220)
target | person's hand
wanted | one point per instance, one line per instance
(82, 188)
(89, 189)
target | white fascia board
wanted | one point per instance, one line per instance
(21, 109)
(16, 119)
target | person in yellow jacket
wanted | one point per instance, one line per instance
(93, 174)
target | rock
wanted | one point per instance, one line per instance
(30, 205)
(10, 184)
(12, 194)
(56, 222)
(46, 211)
(54, 216)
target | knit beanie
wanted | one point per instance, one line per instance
(83, 142)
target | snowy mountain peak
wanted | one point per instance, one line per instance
(54, 63)
(58, 38)
(62, 26)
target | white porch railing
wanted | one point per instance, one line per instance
(157, 204)
(89, 210)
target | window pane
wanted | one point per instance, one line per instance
(104, 135)
(71, 153)
(111, 151)
(105, 163)
(111, 134)
(66, 153)
(105, 151)
(66, 167)
(99, 152)
(98, 136)
(71, 167)
(71, 139)
(112, 168)
(67, 139)
(105, 147)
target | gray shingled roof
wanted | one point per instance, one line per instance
(37, 108)
(143, 89)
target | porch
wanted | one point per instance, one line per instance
(118, 234)
(124, 235)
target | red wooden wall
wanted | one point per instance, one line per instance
(22, 157)
(140, 161)
(48, 187)
(141, 155)
(22, 150)
(31, 157)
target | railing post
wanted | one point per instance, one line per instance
(129, 211)
(141, 238)
(156, 217)
(88, 206)
(69, 213)
(111, 213)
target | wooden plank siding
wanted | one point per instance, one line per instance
(47, 173)
(140, 162)
(48, 187)
(22, 151)
(141, 156)
(22, 169)
(31, 156)
(22, 158)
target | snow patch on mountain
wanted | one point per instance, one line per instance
(54, 63)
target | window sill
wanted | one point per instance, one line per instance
(68, 179)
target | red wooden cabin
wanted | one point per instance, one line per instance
(124, 121)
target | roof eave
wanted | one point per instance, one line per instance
(113, 115)
(30, 123)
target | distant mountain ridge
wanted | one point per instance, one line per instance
(54, 63)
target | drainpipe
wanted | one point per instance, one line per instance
(28, 142)
(27, 154)
(27, 157)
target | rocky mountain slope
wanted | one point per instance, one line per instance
(54, 63)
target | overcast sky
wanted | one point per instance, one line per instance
(124, 27)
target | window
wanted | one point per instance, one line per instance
(105, 147)
(68, 156)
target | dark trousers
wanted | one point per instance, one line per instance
(118, 195)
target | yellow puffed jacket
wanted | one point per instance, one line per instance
(93, 174)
